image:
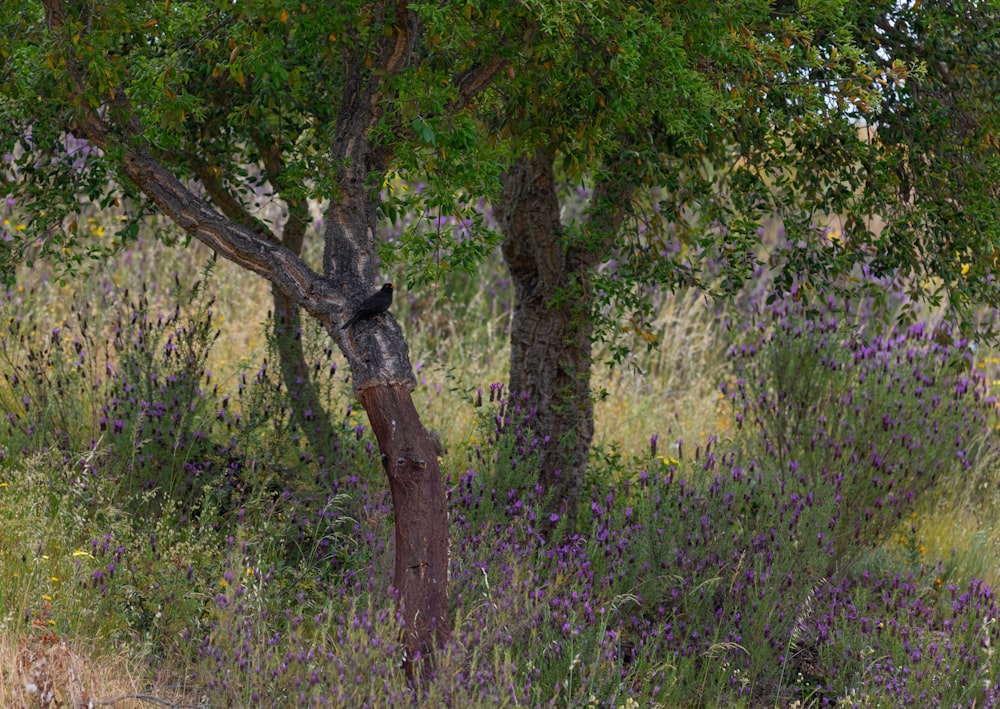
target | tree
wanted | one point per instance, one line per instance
(692, 125)
(649, 104)
(938, 141)
(320, 98)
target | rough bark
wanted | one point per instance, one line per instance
(553, 327)
(551, 330)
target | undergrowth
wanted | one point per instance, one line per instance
(177, 516)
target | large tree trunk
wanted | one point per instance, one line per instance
(553, 327)
(550, 340)
(379, 358)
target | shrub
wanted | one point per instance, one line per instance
(873, 421)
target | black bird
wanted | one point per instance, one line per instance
(374, 305)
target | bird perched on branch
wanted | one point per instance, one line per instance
(374, 305)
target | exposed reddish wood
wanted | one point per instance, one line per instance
(418, 499)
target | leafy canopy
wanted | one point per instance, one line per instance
(702, 121)
(245, 98)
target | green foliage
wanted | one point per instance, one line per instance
(707, 118)
(245, 100)
(76, 561)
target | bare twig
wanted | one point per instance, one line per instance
(146, 698)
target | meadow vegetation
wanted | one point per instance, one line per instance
(787, 505)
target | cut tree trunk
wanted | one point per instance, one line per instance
(409, 457)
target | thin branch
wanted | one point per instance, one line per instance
(145, 698)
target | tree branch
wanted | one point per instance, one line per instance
(230, 205)
(232, 240)
(228, 237)
(474, 80)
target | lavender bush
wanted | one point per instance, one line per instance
(753, 569)
(876, 421)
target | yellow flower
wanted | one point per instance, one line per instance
(46, 597)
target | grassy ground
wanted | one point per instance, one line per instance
(183, 542)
